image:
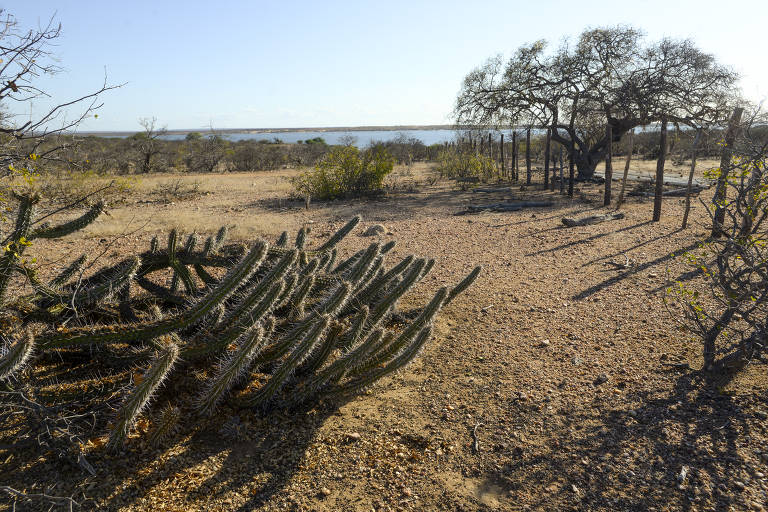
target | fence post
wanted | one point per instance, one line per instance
(546, 159)
(608, 165)
(626, 168)
(721, 192)
(690, 179)
(503, 166)
(528, 156)
(514, 156)
(562, 178)
(659, 194)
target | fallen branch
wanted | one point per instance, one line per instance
(504, 207)
(595, 219)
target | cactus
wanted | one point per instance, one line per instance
(230, 370)
(290, 317)
(166, 424)
(141, 394)
(16, 356)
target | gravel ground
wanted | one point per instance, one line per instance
(557, 382)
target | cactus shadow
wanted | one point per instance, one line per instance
(258, 462)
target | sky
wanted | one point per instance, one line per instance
(280, 64)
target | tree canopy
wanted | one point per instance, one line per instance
(610, 75)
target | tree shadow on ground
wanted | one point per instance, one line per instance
(675, 451)
(632, 271)
(588, 239)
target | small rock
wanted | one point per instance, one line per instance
(544, 343)
(576, 360)
(601, 379)
(739, 485)
(354, 436)
(324, 491)
(761, 414)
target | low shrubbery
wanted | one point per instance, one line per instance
(458, 165)
(346, 172)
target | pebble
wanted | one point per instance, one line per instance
(544, 343)
(601, 379)
(325, 491)
(354, 436)
(739, 485)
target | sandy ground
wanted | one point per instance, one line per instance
(557, 382)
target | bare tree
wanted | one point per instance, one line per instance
(609, 75)
(148, 143)
(25, 56)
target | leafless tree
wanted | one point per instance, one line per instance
(148, 143)
(25, 56)
(608, 76)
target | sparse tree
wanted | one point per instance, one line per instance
(608, 76)
(148, 144)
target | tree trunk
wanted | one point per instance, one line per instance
(626, 169)
(562, 178)
(725, 163)
(690, 179)
(608, 167)
(660, 171)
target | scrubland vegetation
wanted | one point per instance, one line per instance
(597, 359)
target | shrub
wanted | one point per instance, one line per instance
(456, 164)
(730, 315)
(345, 172)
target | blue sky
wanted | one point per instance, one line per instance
(232, 64)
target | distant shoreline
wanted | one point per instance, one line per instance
(285, 130)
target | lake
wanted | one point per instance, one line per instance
(363, 137)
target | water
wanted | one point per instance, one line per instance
(363, 137)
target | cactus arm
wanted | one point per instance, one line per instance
(283, 240)
(281, 374)
(230, 370)
(320, 356)
(193, 314)
(141, 394)
(16, 356)
(15, 248)
(70, 227)
(66, 274)
(405, 357)
(165, 425)
(425, 318)
(301, 238)
(464, 284)
(339, 235)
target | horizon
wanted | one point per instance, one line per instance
(340, 64)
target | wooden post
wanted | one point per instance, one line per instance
(571, 177)
(659, 193)
(490, 146)
(503, 165)
(608, 166)
(528, 156)
(721, 192)
(514, 156)
(562, 178)
(546, 159)
(626, 168)
(690, 179)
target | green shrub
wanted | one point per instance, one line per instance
(346, 172)
(455, 164)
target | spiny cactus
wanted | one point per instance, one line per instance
(141, 394)
(288, 322)
(16, 356)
